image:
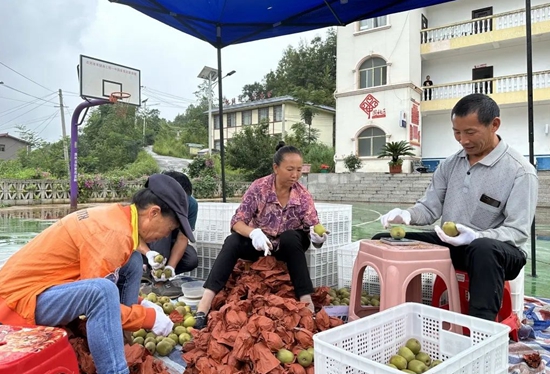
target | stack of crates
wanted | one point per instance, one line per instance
(371, 283)
(212, 228)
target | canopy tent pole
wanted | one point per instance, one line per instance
(220, 111)
(530, 122)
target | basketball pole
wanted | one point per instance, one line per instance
(74, 147)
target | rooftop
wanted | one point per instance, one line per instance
(267, 102)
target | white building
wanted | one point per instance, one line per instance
(464, 46)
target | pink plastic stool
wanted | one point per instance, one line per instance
(400, 271)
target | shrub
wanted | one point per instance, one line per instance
(352, 162)
(319, 154)
(205, 187)
(201, 166)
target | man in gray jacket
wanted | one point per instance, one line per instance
(490, 191)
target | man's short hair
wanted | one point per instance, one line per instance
(182, 179)
(485, 107)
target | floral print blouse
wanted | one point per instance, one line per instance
(260, 208)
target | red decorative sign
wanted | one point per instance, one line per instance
(368, 105)
(414, 125)
(379, 113)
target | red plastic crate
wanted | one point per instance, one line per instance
(36, 350)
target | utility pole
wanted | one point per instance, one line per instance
(64, 132)
(144, 102)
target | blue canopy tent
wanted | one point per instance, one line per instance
(227, 22)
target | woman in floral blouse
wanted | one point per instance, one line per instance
(276, 217)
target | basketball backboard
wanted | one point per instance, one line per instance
(99, 79)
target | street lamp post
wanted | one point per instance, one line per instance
(211, 75)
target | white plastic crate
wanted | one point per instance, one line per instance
(206, 253)
(213, 226)
(213, 220)
(321, 263)
(366, 345)
(371, 283)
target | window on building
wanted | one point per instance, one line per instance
(217, 144)
(216, 122)
(373, 23)
(2, 147)
(371, 141)
(231, 119)
(263, 114)
(278, 113)
(247, 117)
(373, 72)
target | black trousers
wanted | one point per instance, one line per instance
(488, 262)
(292, 247)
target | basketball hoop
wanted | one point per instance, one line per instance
(116, 96)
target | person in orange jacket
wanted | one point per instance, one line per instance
(74, 266)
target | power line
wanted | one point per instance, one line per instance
(46, 125)
(14, 109)
(9, 98)
(21, 115)
(169, 95)
(162, 100)
(50, 118)
(27, 78)
(24, 93)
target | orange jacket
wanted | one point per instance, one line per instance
(89, 243)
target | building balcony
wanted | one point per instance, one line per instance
(498, 30)
(507, 90)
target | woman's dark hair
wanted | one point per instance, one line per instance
(282, 149)
(485, 107)
(145, 197)
(182, 179)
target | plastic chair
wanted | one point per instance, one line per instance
(505, 314)
(399, 268)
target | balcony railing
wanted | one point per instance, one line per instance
(481, 25)
(508, 83)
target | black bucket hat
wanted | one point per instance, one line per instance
(172, 194)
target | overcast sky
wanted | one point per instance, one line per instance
(43, 40)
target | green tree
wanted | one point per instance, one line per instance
(253, 92)
(251, 150)
(301, 136)
(317, 154)
(48, 157)
(29, 136)
(110, 139)
(189, 127)
(150, 121)
(310, 67)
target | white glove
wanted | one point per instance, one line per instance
(151, 258)
(163, 325)
(465, 235)
(395, 215)
(163, 277)
(316, 238)
(260, 241)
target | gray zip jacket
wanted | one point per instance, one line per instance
(496, 196)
